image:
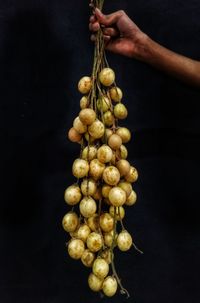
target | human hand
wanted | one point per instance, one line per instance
(121, 34)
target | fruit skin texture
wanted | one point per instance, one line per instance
(84, 102)
(87, 258)
(123, 167)
(80, 168)
(104, 154)
(120, 111)
(117, 196)
(73, 135)
(89, 153)
(87, 116)
(132, 175)
(72, 195)
(94, 242)
(96, 169)
(96, 129)
(84, 85)
(106, 222)
(87, 207)
(79, 126)
(124, 133)
(126, 186)
(109, 286)
(93, 222)
(115, 141)
(103, 104)
(70, 222)
(124, 240)
(108, 238)
(100, 268)
(116, 94)
(76, 248)
(120, 212)
(95, 283)
(88, 187)
(132, 198)
(107, 76)
(83, 232)
(111, 175)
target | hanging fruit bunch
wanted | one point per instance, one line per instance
(104, 176)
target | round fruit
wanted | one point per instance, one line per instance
(94, 242)
(95, 283)
(105, 190)
(88, 187)
(124, 241)
(73, 135)
(107, 76)
(126, 186)
(106, 222)
(132, 198)
(80, 168)
(122, 152)
(79, 126)
(123, 167)
(98, 193)
(115, 141)
(120, 212)
(84, 85)
(120, 111)
(108, 132)
(72, 195)
(96, 169)
(104, 154)
(93, 222)
(107, 255)
(89, 153)
(83, 232)
(110, 286)
(96, 129)
(111, 175)
(108, 118)
(108, 238)
(76, 248)
(88, 258)
(70, 222)
(87, 207)
(124, 133)
(100, 268)
(84, 102)
(117, 196)
(132, 175)
(116, 94)
(87, 116)
(103, 104)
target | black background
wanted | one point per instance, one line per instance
(44, 50)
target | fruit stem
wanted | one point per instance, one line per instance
(123, 291)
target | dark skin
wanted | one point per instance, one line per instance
(123, 36)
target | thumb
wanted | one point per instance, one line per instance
(100, 16)
(107, 20)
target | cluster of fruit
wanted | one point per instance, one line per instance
(104, 181)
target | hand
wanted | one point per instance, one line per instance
(121, 34)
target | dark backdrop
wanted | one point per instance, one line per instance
(44, 50)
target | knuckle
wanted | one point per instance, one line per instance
(121, 12)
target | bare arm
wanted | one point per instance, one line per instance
(122, 36)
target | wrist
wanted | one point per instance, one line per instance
(141, 45)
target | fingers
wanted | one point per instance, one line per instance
(106, 38)
(108, 20)
(94, 27)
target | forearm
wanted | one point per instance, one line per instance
(181, 67)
